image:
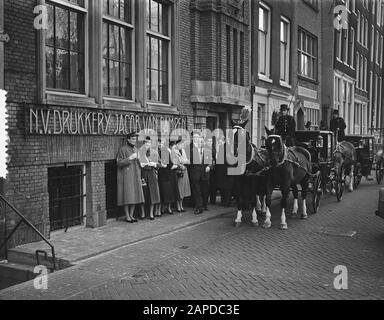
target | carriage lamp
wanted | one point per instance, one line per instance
(361, 144)
(319, 142)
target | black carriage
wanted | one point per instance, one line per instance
(365, 156)
(379, 166)
(320, 145)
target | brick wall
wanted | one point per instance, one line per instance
(31, 156)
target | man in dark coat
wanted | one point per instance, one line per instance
(286, 126)
(338, 126)
(198, 173)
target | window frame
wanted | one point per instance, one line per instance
(306, 33)
(47, 91)
(287, 59)
(267, 74)
(154, 34)
(112, 20)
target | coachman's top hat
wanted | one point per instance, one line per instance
(284, 107)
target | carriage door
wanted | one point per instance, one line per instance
(66, 196)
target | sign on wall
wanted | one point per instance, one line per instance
(58, 121)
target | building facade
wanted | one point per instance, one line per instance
(82, 74)
(286, 60)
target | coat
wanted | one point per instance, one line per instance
(197, 168)
(286, 128)
(129, 185)
(338, 126)
(223, 180)
(150, 175)
(168, 181)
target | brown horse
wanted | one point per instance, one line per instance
(290, 167)
(343, 161)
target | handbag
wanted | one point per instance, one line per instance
(180, 173)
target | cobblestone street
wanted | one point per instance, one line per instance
(214, 260)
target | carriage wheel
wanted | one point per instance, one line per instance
(317, 192)
(379, 171)
(357, 176)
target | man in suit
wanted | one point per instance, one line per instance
(338, 126)
(198, 173)
(286, 126)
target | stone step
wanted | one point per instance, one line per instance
(15, 273)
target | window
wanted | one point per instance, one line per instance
(307, 55)
(377, 46)
(65, 46)
(373, 43)
(229, 53)
(365, 73)
(337, 93)
(242, 52)
(357, 70)
(235, 57)
(382, 49)
(351, 47)
(157, 49)
(345, 45)
(284, 49)
(66, 196)
(358, 26)
(338, 43)
(117, 48)
(264, 40)
(366, 33)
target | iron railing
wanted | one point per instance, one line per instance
(30, 225)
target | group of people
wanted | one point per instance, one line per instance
(159, 178)
(286, 126)
(157, 186)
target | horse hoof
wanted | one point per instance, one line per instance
(237, 224)
(304, 217)
(284, 227)
(255, 224)
(267, 225)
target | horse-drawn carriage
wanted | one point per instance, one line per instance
(365, 156)
(321, 145)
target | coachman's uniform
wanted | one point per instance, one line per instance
(338, 127)
(286, 128)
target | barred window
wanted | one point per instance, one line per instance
(117, 48)
(64, 46)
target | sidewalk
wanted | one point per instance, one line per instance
(81, 243)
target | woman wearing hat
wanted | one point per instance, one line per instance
(149, 158)
(129, 184)
(169, 191)
(179, 158)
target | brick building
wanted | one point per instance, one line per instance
(81, 74)
(286, 57)
(219, 61)
(355, 64)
